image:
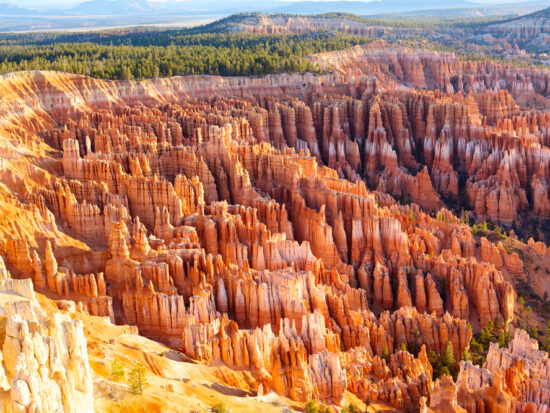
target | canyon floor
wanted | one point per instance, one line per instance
(374, 236)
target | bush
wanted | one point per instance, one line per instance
(444, 371)
(219, 408)
(311, 407)
(435, 361)
(466, 217)
(350, 408)
(521, 303)
(324, 409)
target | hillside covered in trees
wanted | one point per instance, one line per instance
(257, 44)
(148, 53)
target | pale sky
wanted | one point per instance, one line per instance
(29, 3)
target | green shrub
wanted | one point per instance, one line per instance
(350, 408)
(219, 408)
(311, 407)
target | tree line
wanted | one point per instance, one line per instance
(139, 54)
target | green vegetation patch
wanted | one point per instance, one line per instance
(139, 54)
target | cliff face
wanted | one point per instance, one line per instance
(44, 359)
(272, 24)
(250, 222)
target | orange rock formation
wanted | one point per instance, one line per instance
(253, 222)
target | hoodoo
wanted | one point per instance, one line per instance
(342, 237)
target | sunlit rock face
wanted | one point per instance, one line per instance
(255, 222)
(44, 359)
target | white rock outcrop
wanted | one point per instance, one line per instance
(43, 360)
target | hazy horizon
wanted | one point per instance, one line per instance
(68, 3)
(29, 15)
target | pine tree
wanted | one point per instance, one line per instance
(502, 339)
(546, 341)
(449, 358)
(367, 404)
(484, 227)
(386, 355)
(137, 380)
(117, 370)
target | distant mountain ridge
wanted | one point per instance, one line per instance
(544, 14)
(123, 13)
(108, 7)
(370, 7)
(137, 7)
